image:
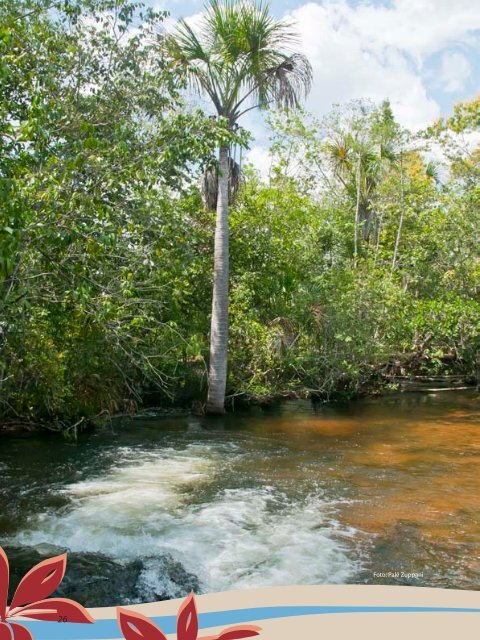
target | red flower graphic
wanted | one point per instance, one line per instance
(135, 626)
(30, 598)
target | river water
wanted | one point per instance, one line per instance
(297, 494)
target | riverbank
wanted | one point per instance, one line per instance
(244, 401)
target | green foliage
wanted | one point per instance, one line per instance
(106, 249)
(96, 151)
(308, 316)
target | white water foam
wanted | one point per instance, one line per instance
(162, 502)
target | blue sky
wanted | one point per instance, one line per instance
(424, 55)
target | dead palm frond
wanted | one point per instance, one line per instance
(209, 185)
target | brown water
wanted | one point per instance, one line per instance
(291, 495)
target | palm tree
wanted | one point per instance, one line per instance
(359, 163)
(241, 58)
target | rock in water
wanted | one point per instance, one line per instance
(96, 580)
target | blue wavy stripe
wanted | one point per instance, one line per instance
(108, 629)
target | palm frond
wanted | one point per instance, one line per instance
(387, 152)
(432, 170)
(193, 58)
(286, 83)
(242, 57)
(340, 154)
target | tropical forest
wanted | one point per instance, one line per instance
(189, 341)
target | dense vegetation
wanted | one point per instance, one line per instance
(354, 262)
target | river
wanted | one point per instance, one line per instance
(296, 494)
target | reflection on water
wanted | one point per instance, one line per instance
(296, 494)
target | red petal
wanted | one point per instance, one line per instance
(54, 609)
(20, 632)
(187, 620)
(236, 633)
(5, 632)
(40, 582)
(136, 626)
(4, 581)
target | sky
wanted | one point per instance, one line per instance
(423, 55)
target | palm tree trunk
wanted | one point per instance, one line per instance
(357, 213)
(377, 241)
(402, 215)
(217, 379)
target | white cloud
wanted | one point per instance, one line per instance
(261, 160)
(377, 52)
(194, 21)
(455, 72)
(418, 27)
(165, 5)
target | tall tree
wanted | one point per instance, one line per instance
(242, 59)
(359, 157)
